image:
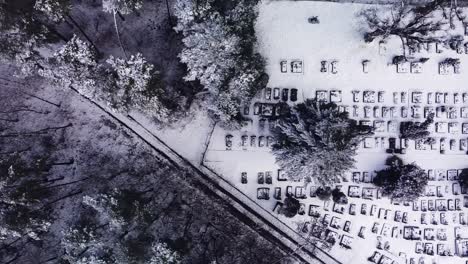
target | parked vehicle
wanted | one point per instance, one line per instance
(365, 66)
(269, 140)
(244, 139)
(263, 193)
(284, 66)
(404, 219)
(244, 177)
(277, 110)
(261, 141)
(253, 140)
(296, 66)
(347, 226)
(334, 67)
(323, 66)
(268, 94)
(276, 93)
(313, 20)
(362, 230)
(277, 193)
(293, 96)
(261, 123)
(267, 109)
(261, 178)
(285, 94)
(246, 110)
(257, 108)
(268, 177)
(228, 142)
(392, 143)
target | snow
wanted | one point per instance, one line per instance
(285, 35)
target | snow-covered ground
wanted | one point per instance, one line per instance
(285, 34)
(188, 138)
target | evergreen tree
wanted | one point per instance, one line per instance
(317, 141)
(415, 131)
(401, 182)
(339, 197)
(74, 64)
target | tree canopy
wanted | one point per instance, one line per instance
(219, 40)
(317, 141)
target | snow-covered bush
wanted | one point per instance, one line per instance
(401, 182)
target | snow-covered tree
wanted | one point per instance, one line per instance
(22, 35)
(412, 24)
(316, 141)
(401, 182)
(55, 10)
(80, 243)
(123, 7)
(74, 64)
(22, 194)
(161, 254)
(136, 84)
(219, 53)
(339, 197)
(324, 193)
(415, 131)
(118, 207)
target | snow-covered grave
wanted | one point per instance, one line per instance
(378, 230)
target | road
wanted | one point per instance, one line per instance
(462, 3)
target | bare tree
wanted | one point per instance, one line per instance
(415, 24)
